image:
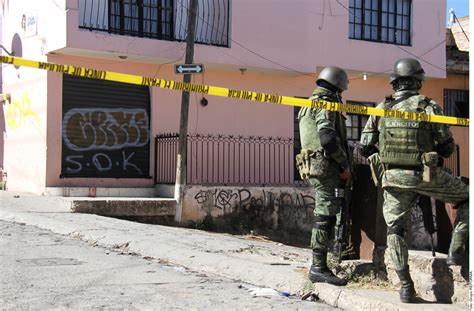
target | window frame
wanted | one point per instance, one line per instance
(385, 31)
(135, 18)
(361, 119)
(452, 98)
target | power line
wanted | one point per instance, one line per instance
(322, 19)
(167, 63)
(386, 71)
(460, 26)
(313, 75)
(251, 51)
(276, 77)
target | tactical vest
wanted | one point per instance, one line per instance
(309, 134)
(402, 142)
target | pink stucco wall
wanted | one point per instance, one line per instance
(295, 35)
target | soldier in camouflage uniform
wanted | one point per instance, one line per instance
(407, 157)
(325, 155)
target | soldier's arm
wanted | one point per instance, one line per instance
(370, 136)
(441, 133)
(325, 121)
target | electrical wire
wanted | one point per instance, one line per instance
(275, 77)
(251, 51)
(167, 63)
(461, 27)
(324, 14)
(388, 70)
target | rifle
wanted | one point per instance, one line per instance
(343, 228)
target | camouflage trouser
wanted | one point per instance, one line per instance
(326, 210)
(402, 190)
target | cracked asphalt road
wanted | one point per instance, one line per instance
(43, 270)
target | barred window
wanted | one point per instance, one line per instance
(387, 21)
(158, 19)
(456, 103)
(355, 123)
(144, 18)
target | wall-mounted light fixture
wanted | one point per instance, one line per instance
(204, 102)
(243, 70)
(364, 76)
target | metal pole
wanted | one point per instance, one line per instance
(181, 163)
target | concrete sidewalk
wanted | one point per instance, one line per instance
(258, 262)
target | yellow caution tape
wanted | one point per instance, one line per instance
(231, 93)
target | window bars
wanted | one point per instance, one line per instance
(157, 19)
(387, 21)
(228, 160)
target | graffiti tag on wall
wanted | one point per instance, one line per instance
(107, 129)
(105, 141)
(18, 113)
(294, 207)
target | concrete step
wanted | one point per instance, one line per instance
(102, 192)
(124, 207)
(434, 280)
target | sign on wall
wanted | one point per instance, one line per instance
(105, 129)
(28, 25)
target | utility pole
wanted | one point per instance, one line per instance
(181, 163)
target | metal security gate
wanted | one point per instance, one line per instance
(105, 129)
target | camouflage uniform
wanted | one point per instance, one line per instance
(404, 186)
(313, 122)
(407, 166)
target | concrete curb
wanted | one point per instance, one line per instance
(124, 207)
(262, 263)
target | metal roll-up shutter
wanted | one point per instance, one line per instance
(105, 129)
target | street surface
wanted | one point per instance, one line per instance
(43, 270)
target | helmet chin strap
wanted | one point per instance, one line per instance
(406, 84)
(329, 86)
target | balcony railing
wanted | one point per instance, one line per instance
(241, 160)
(157, 19)
(228, 160)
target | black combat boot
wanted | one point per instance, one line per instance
(457, 255)
(407, 290)
(320, 273)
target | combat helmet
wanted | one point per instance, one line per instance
(407, 67)
(334, 76)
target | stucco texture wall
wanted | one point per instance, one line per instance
(283, 208)
(24, 32)
(25, 136)
(305, 36)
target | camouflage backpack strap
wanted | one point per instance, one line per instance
(425, 102)
(386, 104)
